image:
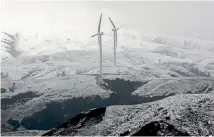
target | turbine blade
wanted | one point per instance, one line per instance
(112, 23)
(100, 23)
(120, 27)
(94, 35)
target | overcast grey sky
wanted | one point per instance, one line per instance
(170, 18)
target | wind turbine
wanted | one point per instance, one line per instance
(99, 34)
(115, 39)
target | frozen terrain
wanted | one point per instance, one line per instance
(174, 116)
(60, 74)
(137, 54)
(163, 87)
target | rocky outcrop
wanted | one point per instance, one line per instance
(88, 118)
(177, 115)
(159, 128)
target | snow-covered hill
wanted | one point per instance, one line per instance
(24, 133)
(137, 54)
(30, 105)
(178, 115)
(129, 62)
(60, 74)
(38, 44)
(164, 87)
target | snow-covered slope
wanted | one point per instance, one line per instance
(65, 87)
(37, 44)
(24, 133)
(177, 115)
(62, 71)
(35, 95)
(69, 95)
(164, 87)
(137, 54)
(130, 62)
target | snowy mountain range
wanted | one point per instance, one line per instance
(60, 74)
(161, 56)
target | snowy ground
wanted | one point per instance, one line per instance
(61, 68)
(137, 54)
(164, 87)
(59, 87)
(191, 114)
(24, 133)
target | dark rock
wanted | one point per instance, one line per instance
(3, 90)
(160, 108)
(167, 118)
(125, 133)
(159, 128)
(14, 123)
(92, 116)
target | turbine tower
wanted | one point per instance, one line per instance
(115, 39)
(99, 34)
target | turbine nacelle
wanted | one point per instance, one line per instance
(99, 26)
(114, 27)
(117, 29)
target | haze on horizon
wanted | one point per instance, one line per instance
(192, 19)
